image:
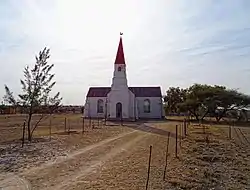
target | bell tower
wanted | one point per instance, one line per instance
(119, 75)
(120, 99)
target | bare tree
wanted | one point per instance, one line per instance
(36, 87)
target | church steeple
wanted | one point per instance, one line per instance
(119, 76)
(120, 54)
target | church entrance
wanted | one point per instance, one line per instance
(119, 110)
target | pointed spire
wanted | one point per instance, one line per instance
(120, 54)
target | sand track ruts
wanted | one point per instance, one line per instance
(62, 159)
(96, 164)
(61, 173)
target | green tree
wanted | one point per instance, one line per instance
(200, 100)
(174, 96)
(36, 88)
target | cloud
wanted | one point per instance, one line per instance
(165, 42)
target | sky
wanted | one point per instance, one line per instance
(166, 42)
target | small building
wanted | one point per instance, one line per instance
(119, 101)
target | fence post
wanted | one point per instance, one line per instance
(23, 133)
(90, 122)
(230, 132)
(149, 162)
(185, 127)
(69, 126)
(65, 124)
(176, 140)
(180, 136)
(166, 160)
(204, 132)
(82, 125)
(50, 128)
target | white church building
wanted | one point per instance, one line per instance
(121, 101)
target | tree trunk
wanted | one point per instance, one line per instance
(195, 115)
(28, 125)
(23, 134)
(221, 115)
(205, 114)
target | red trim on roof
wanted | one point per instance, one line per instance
(120, 54)
(138, 91)
(98, 91)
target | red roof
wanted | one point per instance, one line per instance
(120, 54)
(146, 91)
(138, 91)
(98, 91)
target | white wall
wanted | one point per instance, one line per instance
(125, 97)
(119, 77)
(155, 107)
(90, 108)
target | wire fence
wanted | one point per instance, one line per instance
(11, 126)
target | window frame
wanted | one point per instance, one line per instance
(100, 106)
(146, 108)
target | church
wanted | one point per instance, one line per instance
(121, 101)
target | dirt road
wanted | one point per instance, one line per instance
(118, 162)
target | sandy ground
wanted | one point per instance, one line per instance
(112, 157)
(116, 157)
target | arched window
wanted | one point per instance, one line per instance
(146, 106)
(119, 68)
(100, 106)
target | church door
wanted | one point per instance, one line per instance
(118, 110)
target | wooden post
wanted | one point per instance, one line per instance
(166, 160)
(185, 127)
(50, 128)
(89, 121)
(68, 126)
(176, 140)
(230, 132)
(23, 134)
(180, 136)
(204, 132)
(65, 124)
(149, 162)
(82, 125)
(184, 131)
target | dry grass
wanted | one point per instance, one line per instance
(211, 161)
(11, 126)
